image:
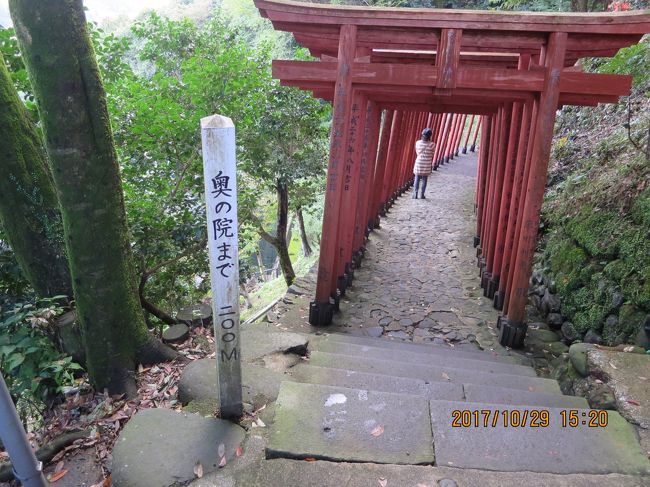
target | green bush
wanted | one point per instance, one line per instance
(30, 363)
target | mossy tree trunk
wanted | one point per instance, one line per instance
(306, 248)
(29, 209)
(72, 104)
(280, 239)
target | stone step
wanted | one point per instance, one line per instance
(375, 382)
(350, 425)
(423, 357)
(434, 390)
(552, 448)
(508, 357)
(292, 473)
(501, 395)
(434, 373)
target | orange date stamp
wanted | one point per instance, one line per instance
(526, 418)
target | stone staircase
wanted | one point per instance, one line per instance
(361, 399)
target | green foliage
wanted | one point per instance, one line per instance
(161, 80)
(14, 62)
(633, 60)
(31, 365)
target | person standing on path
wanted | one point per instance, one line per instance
(423, 162)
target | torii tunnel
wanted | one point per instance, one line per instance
(390, 72)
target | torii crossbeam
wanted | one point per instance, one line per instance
(391, 71)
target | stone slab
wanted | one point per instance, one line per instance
(501, 395)
(336, 423)
(433, 373)
(260, 340)
(375, 382)
(422, 357)
(160, 447)
(445, 350)
(199, 382)
(290, 473)
(627, 375)
(553, 449)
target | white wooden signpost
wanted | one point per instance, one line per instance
(219, 169)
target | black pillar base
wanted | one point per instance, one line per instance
(320, 314)
(435, 167)
(479, 251)
(473, 148)
(485, 278)
(456, 153)
(382, 209)
(480, 263)
(336, 299)
(356, 259)
(446, 159)
(512, 334)
(492, 287)
(368, 230)
(342, 283)
(464, 150)
(499, 297)
(376, 223)
(477, 241)
(349, 273)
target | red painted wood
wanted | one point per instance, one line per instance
(517, 197)
(516, 242)
(538, 173)
(495, 138)
(469, 132)
(391, 158)
(351, 181)
(326, 280)
(483, 171)
(476, 131)
(380, 171)
(459, 135)
(506, 190)
(368, 157)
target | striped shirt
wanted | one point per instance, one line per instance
(424, 160)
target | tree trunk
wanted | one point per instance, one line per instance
(72, 104)
(579, 5)
(280, 240)
(29, 209)
(247, 298)
(306, 248)
(260, 263)
(281, 235)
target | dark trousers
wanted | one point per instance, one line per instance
(416, 185)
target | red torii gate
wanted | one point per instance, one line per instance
(413, 68)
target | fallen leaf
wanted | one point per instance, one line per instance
(260, 423)
(198, 470)
(310, 459)
(643, 378)
(445, 376)
(239, 451)
(382, 481)
(56, 476)
(633, 402)
(221, 451)
(223, 462)
(611, 364)
(377, 431)
(59, 467)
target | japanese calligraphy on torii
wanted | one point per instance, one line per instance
(218, 140)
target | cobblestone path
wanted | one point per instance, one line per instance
(419, 281)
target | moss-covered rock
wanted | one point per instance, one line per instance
(630, 321)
